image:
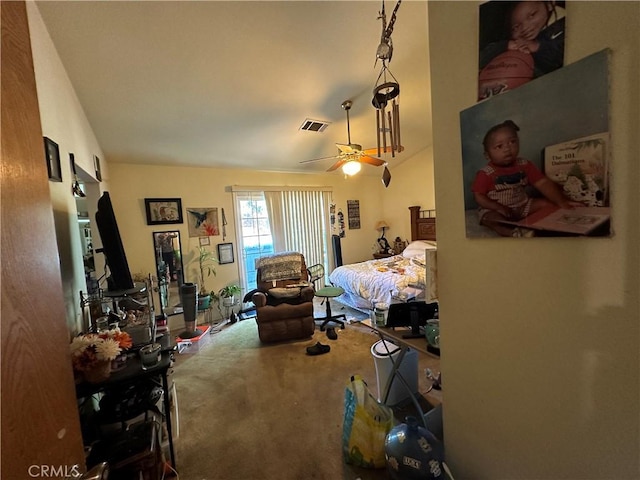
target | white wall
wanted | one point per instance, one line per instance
(540, 337)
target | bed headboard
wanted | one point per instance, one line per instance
(423, 224)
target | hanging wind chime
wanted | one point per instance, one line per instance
(386, 92)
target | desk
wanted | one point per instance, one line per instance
(420, 344)
(132, 373)
(395, 334)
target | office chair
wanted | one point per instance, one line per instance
(316, 273)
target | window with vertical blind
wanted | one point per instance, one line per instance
(279, 219)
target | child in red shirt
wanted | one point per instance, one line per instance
(500, 187)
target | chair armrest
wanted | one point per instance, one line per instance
(259, 299)
(307, 294)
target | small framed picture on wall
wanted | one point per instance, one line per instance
(96, 164)
(225, 253)
(52, 155)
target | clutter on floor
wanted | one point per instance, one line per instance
(192, 343)
(318, 349)
(331, 333)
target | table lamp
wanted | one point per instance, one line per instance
(382, 225)
(382, 242)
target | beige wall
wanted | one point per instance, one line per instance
(63, 120)
(411, 184)
(208, 187)
(540, 337)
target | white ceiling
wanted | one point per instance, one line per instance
(212, 83)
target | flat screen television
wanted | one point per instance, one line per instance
(119, 277)
(411, 314)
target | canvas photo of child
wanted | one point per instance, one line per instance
(519, 41)
(534, 164)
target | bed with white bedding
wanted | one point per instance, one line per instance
(412, 272)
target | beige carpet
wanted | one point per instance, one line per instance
(268, 411)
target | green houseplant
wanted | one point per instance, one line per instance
(228, 293)
(206, 266)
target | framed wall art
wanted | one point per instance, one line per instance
(225, 253)
(52, 155)
(203, 222)
(353, 211)
(163, 211)
(96, 164)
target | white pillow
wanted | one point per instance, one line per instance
(418, 247)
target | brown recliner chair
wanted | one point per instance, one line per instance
(284, 306)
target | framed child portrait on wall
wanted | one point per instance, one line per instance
(535, 159)
(518, 42)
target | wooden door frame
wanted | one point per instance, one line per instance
(40, 421)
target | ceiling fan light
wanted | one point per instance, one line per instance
(351, 167)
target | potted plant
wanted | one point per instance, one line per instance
(228, 294)
(206, 265)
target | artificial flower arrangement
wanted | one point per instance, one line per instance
(88, 350)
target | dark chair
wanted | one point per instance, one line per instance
(284, 306)
(316, 273)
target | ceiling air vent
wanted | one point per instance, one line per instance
(314, 125)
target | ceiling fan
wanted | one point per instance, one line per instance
(351, 156)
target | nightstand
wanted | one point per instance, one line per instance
(381, 255)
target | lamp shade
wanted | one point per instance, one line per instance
(381, 225)
(351, 167)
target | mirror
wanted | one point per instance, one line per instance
(168, 254)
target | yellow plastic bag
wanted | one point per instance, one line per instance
(365, 426)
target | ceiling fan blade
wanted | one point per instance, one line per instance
(337, 165)
(374, 151)
(351, 148)
(318, 159)
(375, 161)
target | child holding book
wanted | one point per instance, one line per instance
(500, 187)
